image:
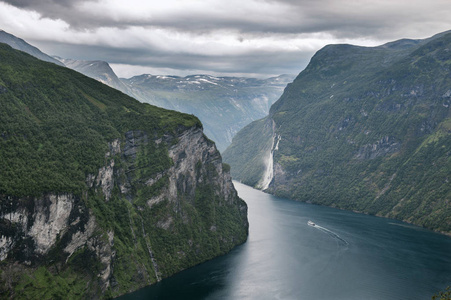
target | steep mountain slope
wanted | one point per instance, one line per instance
(21, 45)
(364, 129)
(96, 69)
(223, 104)
(100, 194)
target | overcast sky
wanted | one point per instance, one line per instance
(219, 37)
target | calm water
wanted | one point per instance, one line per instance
(347, 256)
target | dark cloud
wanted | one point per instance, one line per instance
(41, 5)
(340, 18)
(55, 9)
(251, 36)
(47, 8)
(261, 62)
(305, 17)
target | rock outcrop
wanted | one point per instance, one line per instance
(33, 227)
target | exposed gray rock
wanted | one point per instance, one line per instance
(50, 219)
(6, 244)
(280, 178)
(115, 148)
(192, 148)
(63, 221)
(384, 146)
(105, 253)
(80, 238)
(105, 179)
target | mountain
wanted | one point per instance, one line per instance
(96, 69)
(100, 194)
(21, 45)
(361, 128)
(223, 104)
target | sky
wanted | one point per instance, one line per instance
(252, 38)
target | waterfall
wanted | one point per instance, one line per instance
(152, 257)
(269, 172)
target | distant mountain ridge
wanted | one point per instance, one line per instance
(223, 104)
(361, 128)
(96, 69)
(21, 45)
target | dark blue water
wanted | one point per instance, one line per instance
(346, 256)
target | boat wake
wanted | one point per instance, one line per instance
(332, 234)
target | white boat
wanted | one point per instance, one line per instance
(310, 223)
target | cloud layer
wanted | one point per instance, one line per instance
(258, 37)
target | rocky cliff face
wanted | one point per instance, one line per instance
(361, 128)
(35, 229)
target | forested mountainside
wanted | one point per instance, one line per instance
(101, 194)
(361, 128)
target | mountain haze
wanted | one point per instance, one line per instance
(361, 128)
(223, 104)
(21, 45)
(96, 69)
